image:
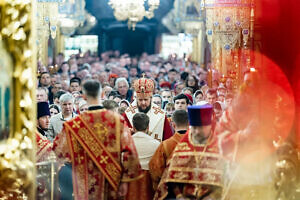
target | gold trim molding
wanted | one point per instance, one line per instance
(17, 165)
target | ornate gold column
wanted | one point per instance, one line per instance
(43, 49)
(59, 42)
(229, 29)
(47, 25)
(195, 49)
(198, 46)
(17, 154)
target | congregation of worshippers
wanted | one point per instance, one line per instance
(161, 102)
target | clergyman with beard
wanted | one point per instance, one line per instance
(159, 126)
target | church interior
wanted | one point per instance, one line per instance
(238, 58)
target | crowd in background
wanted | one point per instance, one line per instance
(179, 83)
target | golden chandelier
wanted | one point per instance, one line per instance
(133, 10)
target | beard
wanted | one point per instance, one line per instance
(200, 138)
(43, 129)
(144, 110)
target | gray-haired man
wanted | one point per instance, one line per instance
(122, 87)
(56, 122)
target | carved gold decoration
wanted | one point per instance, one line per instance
(229, 30)
(47, 23)
(47, 15)
(17, 168)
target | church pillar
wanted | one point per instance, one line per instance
(59, 42)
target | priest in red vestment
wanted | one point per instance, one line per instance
(99, 146)
(159, 127)
(195, 170)
(44, 146)
(45, 157)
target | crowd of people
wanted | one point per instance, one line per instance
(177, 84)
(158, 102)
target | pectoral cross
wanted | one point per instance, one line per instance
(157, 110)
(131, 109)
(76, 124)
(103, 159)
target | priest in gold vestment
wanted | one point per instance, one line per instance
(100, 148)
(195, 170)
(163, 153)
